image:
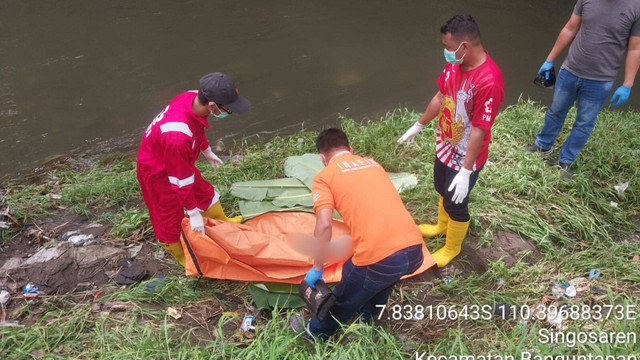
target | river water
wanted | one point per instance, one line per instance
(77, 73)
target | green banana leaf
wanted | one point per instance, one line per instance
(294, 200)
(303, 168)
(294, 193)
(403, 181)
(251, 209)
(264, 299)
(261, 189)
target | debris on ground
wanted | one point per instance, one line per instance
(621, 188)
(112, 306)
(156, 284)
(247, 323)
(558, 289)
(53, 196)
(130, 273)
(174, 313)
(594, 274)
(571, 291)
(5, 296)
(134, 250)
(32, 290)
(78, 239)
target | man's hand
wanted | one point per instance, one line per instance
(461, 184)
(621, 94)
(545, 68)
(197, 223)
(313, 276)
(212, 158)
(411, 133)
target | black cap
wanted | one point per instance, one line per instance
(220, 89)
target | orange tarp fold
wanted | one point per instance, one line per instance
(257, 250)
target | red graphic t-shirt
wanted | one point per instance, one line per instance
(471, 98)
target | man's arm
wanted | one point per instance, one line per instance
(322, 234)
(473, 147)
(432, 109)
(566, 36)
(633, 61)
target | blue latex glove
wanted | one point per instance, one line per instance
(622, 94)
(545, 68)
(313, 276)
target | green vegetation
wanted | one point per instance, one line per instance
(574, 223)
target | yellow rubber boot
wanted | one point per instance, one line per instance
(175, 249)
(216, 212)
(439, 228)
(456, 231)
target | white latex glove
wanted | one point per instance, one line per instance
(461, 184)
(411, 133)
(212, 158)
(195, 218)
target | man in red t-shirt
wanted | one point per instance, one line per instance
(471, 89)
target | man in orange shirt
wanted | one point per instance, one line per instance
(387, 242)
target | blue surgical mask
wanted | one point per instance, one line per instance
(450, 56)
(222, 115)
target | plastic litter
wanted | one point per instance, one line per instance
(174, 313)
(31, 290)
(77, 239)
(594, 274)
(571, 291)
(581, 284)
(447, 280)
(558, 290)
(621, 188)
(5, 296)
(500, 282)
(247, 323)
(81, 240)
(614, 204)
(134, 250)
(130, 273)
(156, 284)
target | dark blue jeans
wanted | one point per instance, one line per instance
(363, 287)
(590, 95)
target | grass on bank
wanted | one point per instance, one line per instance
(573, 222)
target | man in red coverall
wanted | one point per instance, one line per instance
(168, 178)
